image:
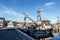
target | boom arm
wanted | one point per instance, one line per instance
(30, 19)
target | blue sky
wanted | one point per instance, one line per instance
(13, 9)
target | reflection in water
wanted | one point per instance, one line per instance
(56, 37)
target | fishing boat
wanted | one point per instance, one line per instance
(38, 31)
(43, 32)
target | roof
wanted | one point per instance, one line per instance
(45, 20)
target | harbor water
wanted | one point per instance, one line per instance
(56, 37)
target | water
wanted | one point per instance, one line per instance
(56, 37)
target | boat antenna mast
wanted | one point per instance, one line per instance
(39, 15)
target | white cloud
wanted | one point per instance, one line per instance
(10, 11)
(50, 3)
(47, 5)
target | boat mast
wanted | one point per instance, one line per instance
(57, 20)
(39, 15)
(24, 22)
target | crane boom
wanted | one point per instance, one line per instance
(30, 19)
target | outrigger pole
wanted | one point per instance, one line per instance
(30, 19)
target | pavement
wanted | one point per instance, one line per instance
(13, 34)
